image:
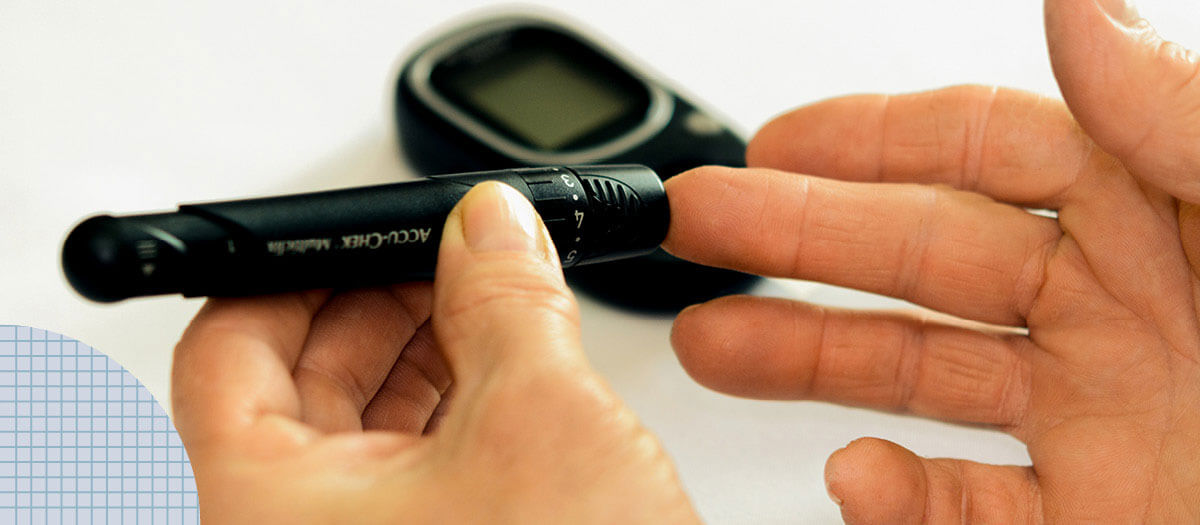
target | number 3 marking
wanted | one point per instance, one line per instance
(567, 180)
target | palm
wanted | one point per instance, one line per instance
(1114, 378)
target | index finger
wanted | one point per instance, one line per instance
(234, 364)
(953, 251)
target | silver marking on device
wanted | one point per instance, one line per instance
(374, 240)
(298, 246)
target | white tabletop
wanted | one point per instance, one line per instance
(126, 106)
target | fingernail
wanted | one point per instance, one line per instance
(498, 218)
(1121, 11)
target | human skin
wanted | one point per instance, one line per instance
(436, 403)
(920, 197)
(307, 408)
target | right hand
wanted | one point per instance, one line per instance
(311, 408)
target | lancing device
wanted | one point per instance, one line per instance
(364, 236)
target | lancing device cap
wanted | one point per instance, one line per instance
(365, 236)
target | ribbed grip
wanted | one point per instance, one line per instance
(629, 208)
(613, 198)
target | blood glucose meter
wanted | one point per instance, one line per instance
(524, 90)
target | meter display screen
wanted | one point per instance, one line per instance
(543, 91)
(546, 100)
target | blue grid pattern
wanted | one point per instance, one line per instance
(82, 441)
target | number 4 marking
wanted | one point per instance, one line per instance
(578, 219)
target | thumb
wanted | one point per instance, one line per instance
(499, 296)
(536, 434)
(1135, 94)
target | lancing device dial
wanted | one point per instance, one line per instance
(365, 236)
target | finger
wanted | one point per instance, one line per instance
(949, 250)
(778, 349)
(234, 364)
(876, 481)
(439, 412)
(413, 390)
(1010, 145)
(1137, 95)
(354, 342)
(499, 297)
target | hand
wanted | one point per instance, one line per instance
(315, 408)
(920, 197)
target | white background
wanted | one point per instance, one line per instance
(126, 106)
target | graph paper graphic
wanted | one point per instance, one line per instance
(82, 441)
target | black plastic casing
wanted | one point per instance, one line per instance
(365, 236)
(689, 138)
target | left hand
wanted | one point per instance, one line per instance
(920, 197)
